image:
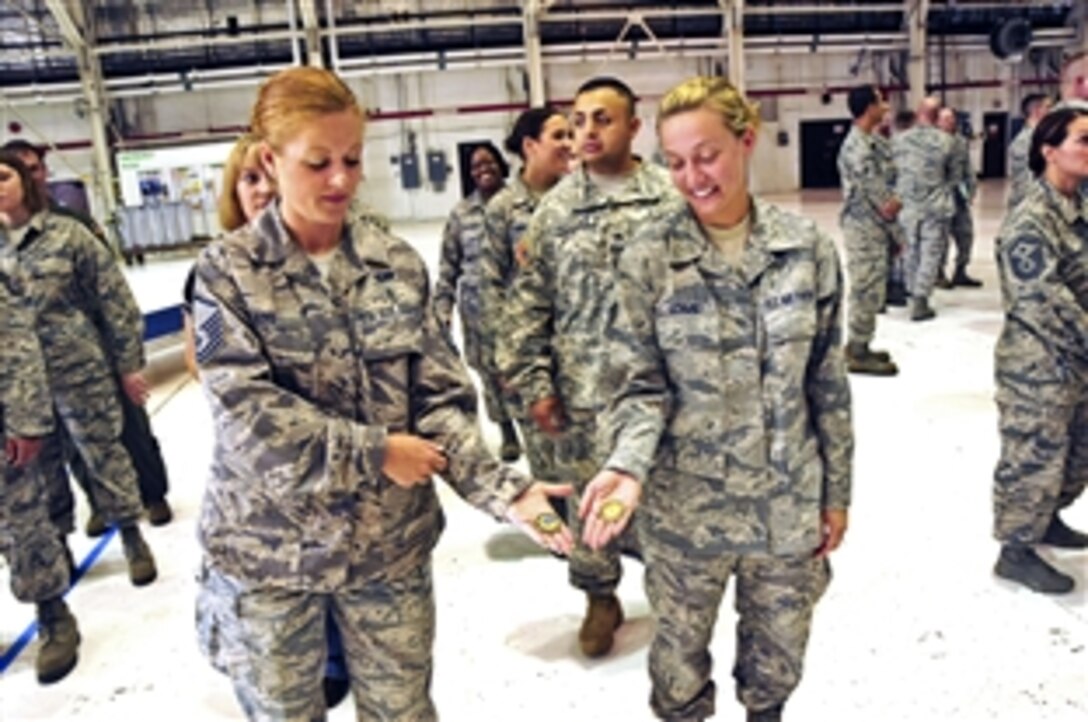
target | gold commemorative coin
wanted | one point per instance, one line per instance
(548, 523)
(612, 510)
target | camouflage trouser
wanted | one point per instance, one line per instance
(866, 264)
(962, 230)
(775, 598)
(897, 249)
(540, 451)
(577, 462)
(927, 243)
(33, 549)
(1043, 467)
(273, 643)
(91, 416)
(475, 356)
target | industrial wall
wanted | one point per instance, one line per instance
(465, 105)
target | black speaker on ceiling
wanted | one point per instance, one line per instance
(1010, 38)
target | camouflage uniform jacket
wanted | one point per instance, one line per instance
(86, 313)
(505, 222)
(459, 263)
(732, 402)
(1019, 173)
(882, 150)
(963, 181)
(923, 164)
(1042, 353)
(864, 184)
(25, 405)
(306, 378)
(563, 300)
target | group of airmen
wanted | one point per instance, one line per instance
(903, 196)
(660, 340)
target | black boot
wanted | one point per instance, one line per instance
(511, 449)
(1060, 535)
(159, 513)
(771, 714)
(141, 564)
(961, 279)
(59, 636)
(335, 690)
(1020, 563)
(942, 281)
(920, 310)
(896, 294)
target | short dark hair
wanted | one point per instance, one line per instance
(615, 84)
(22, 145)
(33, 199)
(530, 124)
(905, 119)
(860, 99)
(1030, 102)
(1052, 130)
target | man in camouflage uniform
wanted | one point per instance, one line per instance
(1033, 107)
(562, 304)
(964, 185)
(36, 556)
(91, 332)
(923, 162)
(698, 351)
(506, 221)
(868, 208)
(311, 383)
(459, 283)
(1041, 368)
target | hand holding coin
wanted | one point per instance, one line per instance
(607, 506)
(532, 513)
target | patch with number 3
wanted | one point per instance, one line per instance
(1025, 257)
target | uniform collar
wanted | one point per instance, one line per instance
(1070, 209)
(639, 188)
(687, 243)
(360, 244)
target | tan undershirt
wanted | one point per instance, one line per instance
(730, 242)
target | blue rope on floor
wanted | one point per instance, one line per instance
(11, 653)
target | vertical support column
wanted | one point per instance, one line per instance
(917, 14)
(334, 43)
(74, 28)
(733, 25)
(534, 60)
(292, 25)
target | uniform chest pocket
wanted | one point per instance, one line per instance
(790, 318)
(388, 333)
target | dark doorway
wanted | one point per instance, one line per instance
(995, 144)
(820, 142)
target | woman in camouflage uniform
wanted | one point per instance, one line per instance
(459, 283)
(732, 414)
(1041, 359)
(336, 396)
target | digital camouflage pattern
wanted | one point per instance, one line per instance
(923, 162)
(460, 283)
(91, 331)
(38, 567)
(561, 306)
(306, 378)
(865, 191)
(964, 186)
(733, 410)
(1041, 362)
(1019, 173)
(893, 230)
(505, 222)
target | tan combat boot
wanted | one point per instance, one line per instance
(59, 637)
(604, 615)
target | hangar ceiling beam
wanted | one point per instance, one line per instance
(73, 28)
(733, 26)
